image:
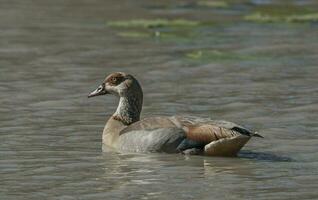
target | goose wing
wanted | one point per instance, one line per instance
(212, 137)
(220, 138)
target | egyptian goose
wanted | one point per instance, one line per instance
(124, 131)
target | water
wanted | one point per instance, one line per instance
(54, 53)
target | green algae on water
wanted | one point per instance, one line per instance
(296, 18)
(313, 17)
(154, 23)
(163, 36)
(134, 34)
(283, 13)
(194, 55)
(213, 4)
(258, 17)
(217, 55)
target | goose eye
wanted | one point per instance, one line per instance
(114, 80)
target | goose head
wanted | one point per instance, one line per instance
(129, 91)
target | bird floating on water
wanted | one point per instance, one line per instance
(126, 132)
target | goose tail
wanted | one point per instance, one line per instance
(257, 135)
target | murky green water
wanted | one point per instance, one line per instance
(262, 75)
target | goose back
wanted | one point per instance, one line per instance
(178, 134)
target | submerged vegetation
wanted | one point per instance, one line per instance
(135, 34)
(313, 17)
(217, 55)
(154, 34)
(185, 32)
(152, 23)
(259, 17)
(283, 13)
(177, 29)
(213, 4)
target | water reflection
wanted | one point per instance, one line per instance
(148, 164)
(262, 156)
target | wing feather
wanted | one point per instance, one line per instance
(208, 133)
(214, 137)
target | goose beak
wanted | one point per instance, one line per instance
(99, 91)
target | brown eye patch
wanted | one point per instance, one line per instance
(114, 79)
